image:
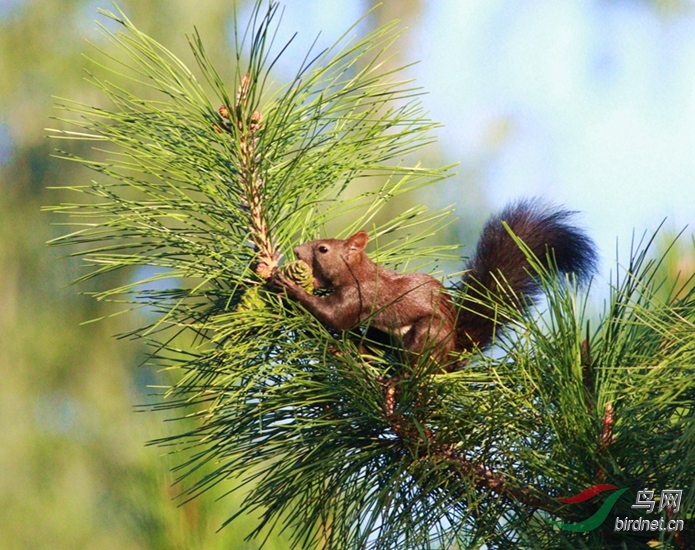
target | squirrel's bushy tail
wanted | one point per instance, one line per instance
(499, 272)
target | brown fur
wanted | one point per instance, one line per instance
(416, 307)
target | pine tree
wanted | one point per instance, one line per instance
(347, 446)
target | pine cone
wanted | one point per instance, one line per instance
(299, 272)
(251, 300)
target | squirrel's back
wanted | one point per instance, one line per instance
(500, 271)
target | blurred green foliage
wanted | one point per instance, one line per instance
(75, 469)
(677, 268)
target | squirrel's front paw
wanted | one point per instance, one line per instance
(279, 281)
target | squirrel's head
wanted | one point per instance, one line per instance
(333, 260)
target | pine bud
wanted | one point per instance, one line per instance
(264, 269)
(256, 121)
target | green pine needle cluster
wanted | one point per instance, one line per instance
(333, 437)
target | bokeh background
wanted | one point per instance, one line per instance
(590, 103)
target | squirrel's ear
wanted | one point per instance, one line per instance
(358, 241)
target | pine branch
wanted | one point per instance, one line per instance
(251, 181)
(335, 437)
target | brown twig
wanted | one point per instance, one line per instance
(587, 364)
(605, 440)
(484, 478)
(606, 437)
(607, 434)
(459, 465)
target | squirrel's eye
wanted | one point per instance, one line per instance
(323, 249)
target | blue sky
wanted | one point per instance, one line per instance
(588, 103)
(597, 98)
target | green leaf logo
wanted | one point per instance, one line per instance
(599, 517)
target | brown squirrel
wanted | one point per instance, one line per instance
(416, 307)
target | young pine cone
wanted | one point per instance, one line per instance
(297, 271)
(300, 273)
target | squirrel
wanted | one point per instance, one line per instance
(417, 308)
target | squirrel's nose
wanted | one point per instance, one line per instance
(296, 251)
